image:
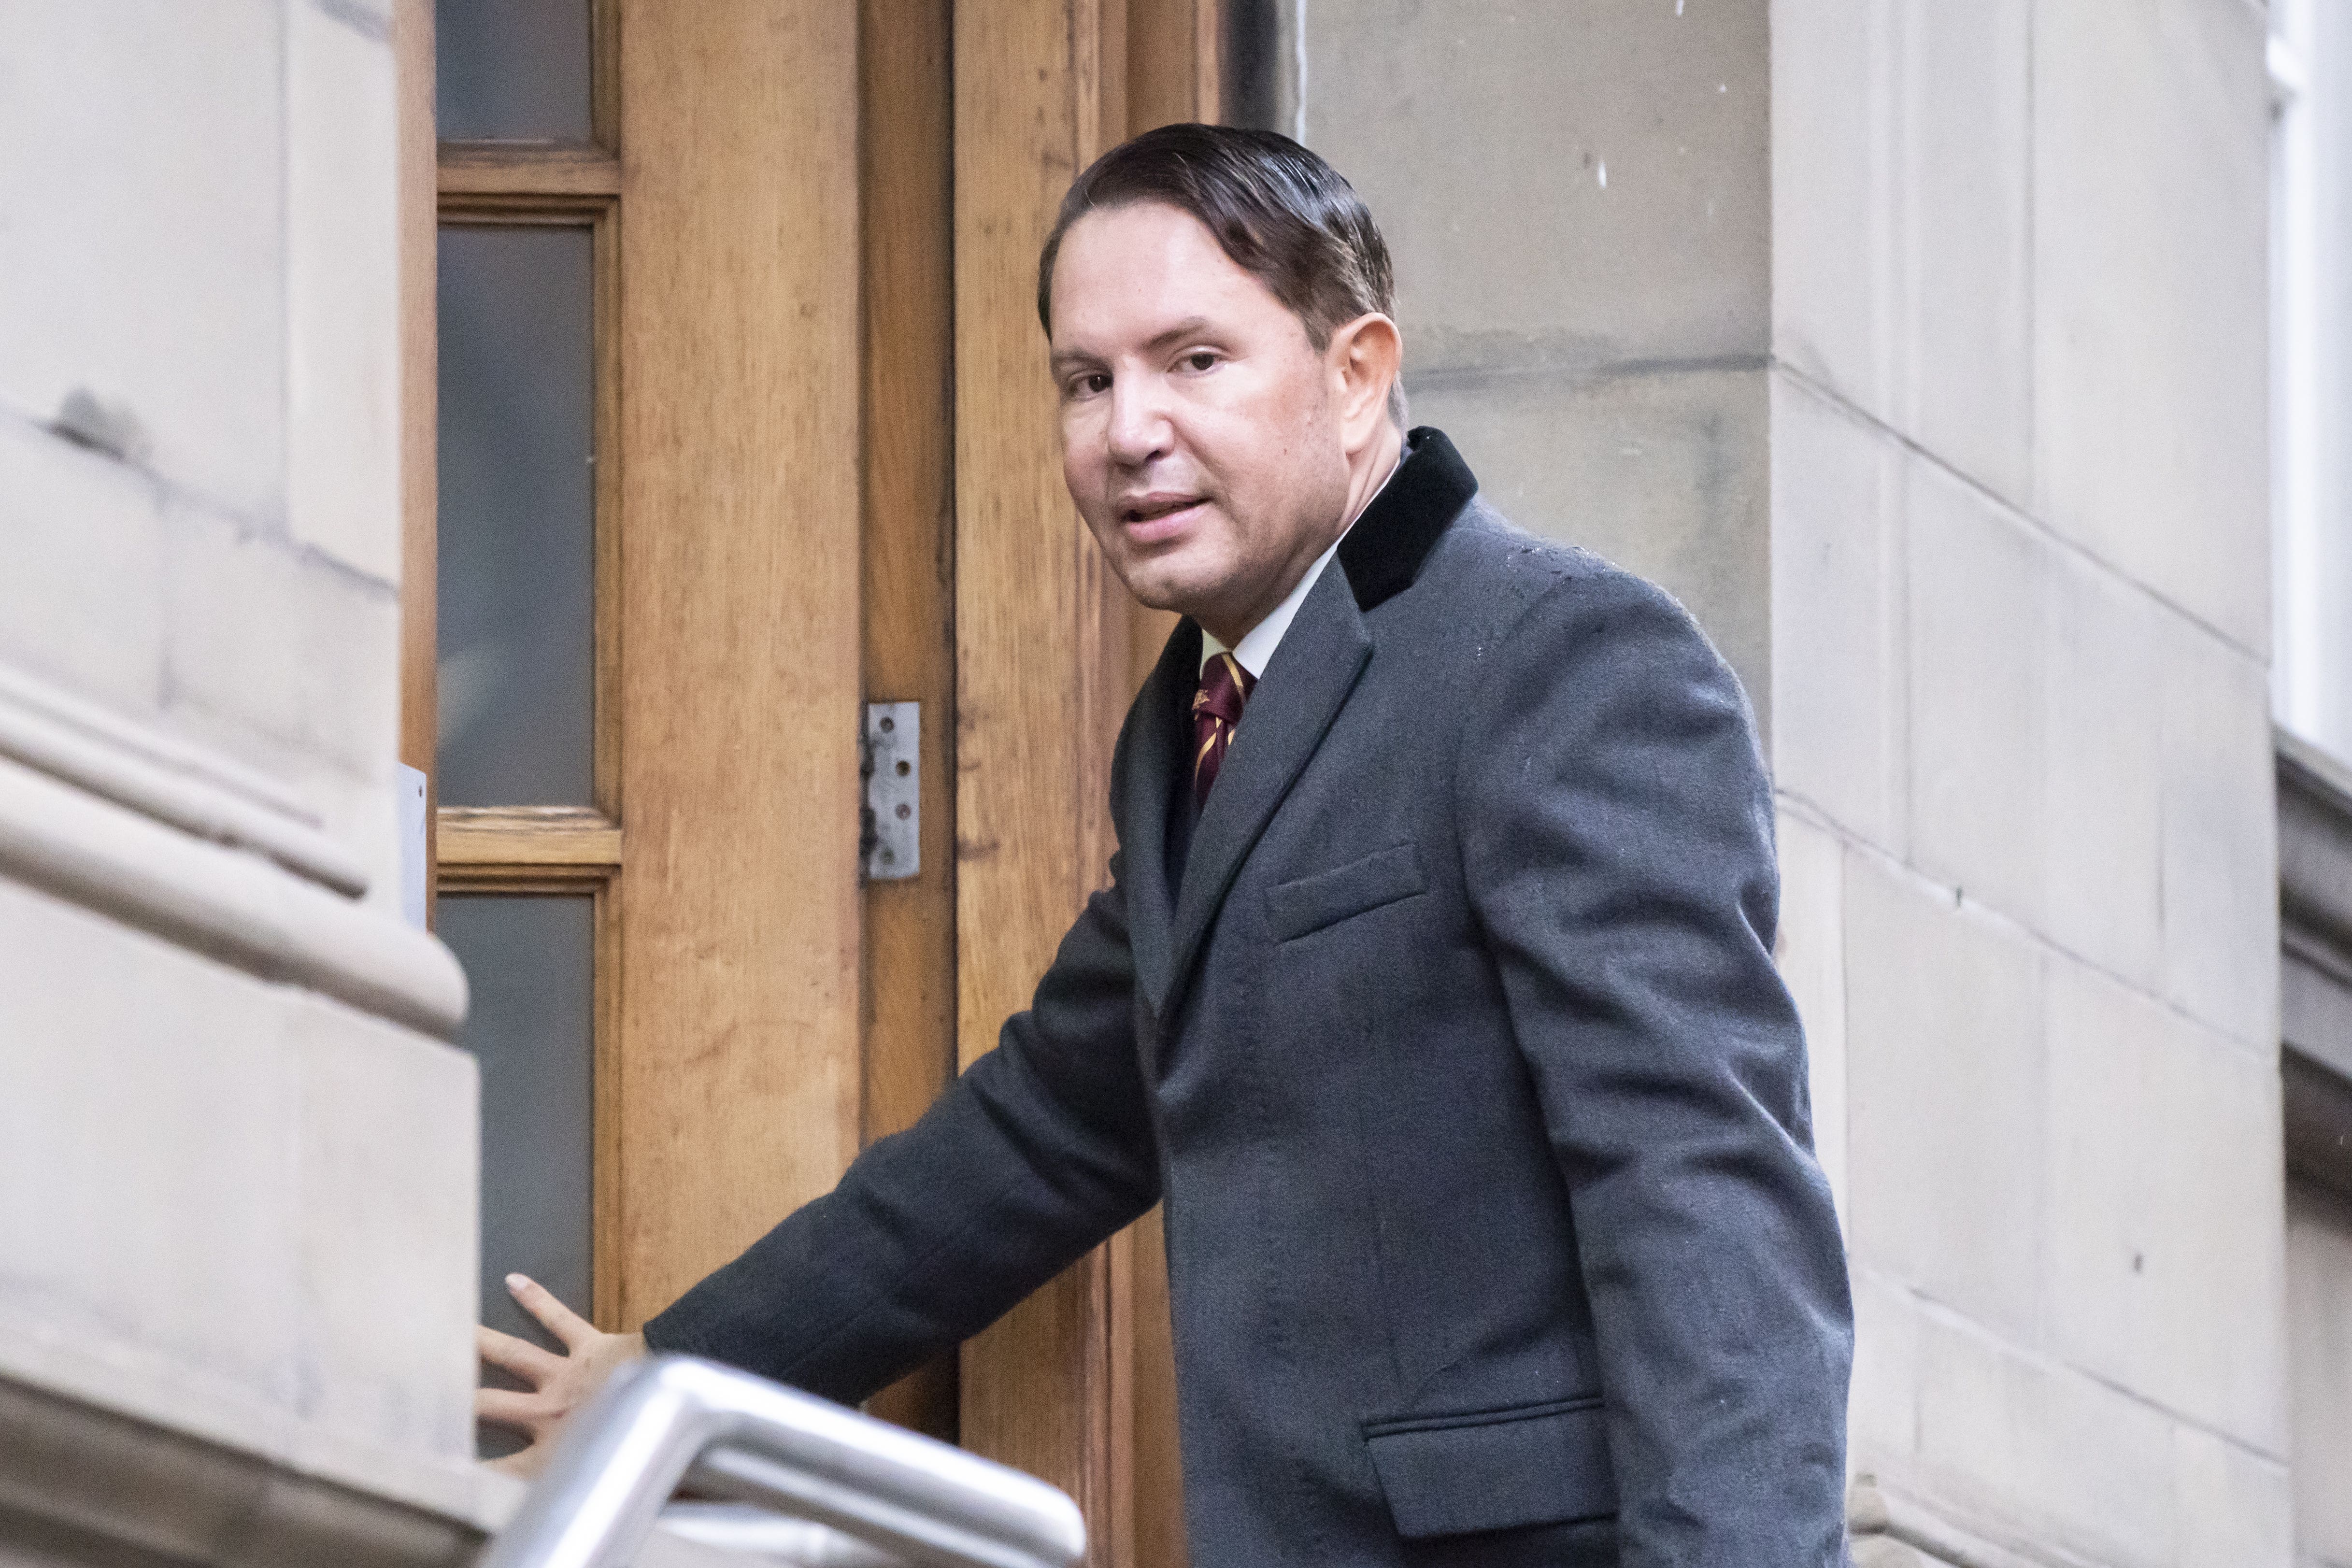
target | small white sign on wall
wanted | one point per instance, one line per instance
(409, 783)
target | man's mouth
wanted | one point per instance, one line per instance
(1156, 516)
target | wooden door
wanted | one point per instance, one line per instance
(635, 665)
(819, 470)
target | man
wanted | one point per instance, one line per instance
(1433, 992)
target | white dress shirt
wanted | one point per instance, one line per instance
(1255, 651)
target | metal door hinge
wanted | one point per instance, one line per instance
(889, 755)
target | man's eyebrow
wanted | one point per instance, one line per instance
(1063, 360)
(1191, 326)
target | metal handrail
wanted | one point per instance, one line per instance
(673, 1418)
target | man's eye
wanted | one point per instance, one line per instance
(1090, 385)
(1201, 359)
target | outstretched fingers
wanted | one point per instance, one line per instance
(510, 1408)
(560, 1320)
(520, 1357)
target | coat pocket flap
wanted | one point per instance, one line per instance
(1326, 898)
(1540, 1464)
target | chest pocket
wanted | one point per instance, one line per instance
(1298, 909)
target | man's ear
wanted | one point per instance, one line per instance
(1365, 358)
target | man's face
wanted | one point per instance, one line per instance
(1200, 429)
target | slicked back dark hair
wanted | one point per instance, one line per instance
(1284, 215)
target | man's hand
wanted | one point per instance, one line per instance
(559, 1383)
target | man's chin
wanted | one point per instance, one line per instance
(1166, 585)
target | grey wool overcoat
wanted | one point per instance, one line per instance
(1451, 1039)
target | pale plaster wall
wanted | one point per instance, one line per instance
(1920, 349)
(230, 1205)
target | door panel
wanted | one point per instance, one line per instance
(739, 1081)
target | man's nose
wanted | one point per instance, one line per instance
(1140, 430)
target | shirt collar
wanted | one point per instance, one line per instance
(1255, 651)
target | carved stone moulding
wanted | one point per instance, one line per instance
(192, 847)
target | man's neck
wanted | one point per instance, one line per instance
(1371, 470)
(1382, 458)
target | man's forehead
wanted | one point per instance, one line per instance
(1141, 270)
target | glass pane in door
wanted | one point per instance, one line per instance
(529, 959)
(511, 70)
(517, 529)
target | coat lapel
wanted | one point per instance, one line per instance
(1314, 669)
(1159, 749)
(1285, 719)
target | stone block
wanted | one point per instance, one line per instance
(1627, 145)
(81, 599)
(1664, 474)
(2319, 1320)
(389, 1167)
(268, 643)
(147, 1177)
(2166, 1270)
(1886, 1552)
(343, 287)
(2102, 874)
(1833, 259)
(146, 151)
(1965, 358)
(2151, 130)
(1837, 604)
(2236, 1510)
(2035, 766)
(1901, 172)
(2017, 1448)
(1944, 1066)
(1977, 621)
(1882, 1409)
(1810, 950)
(360, 814)
(2220, 850)
(267, 1194)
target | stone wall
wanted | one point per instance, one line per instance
(199, 381)
(2019, 449)
(1577, 199)
(236, 1154)
(1920, 349)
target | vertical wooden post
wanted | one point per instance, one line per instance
(906, 214)
(1041, 665)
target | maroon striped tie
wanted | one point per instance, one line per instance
(1216, 709)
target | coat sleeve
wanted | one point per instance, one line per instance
(1039, 1151)
(1617, 842)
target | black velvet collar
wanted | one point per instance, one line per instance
(1383, 553)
